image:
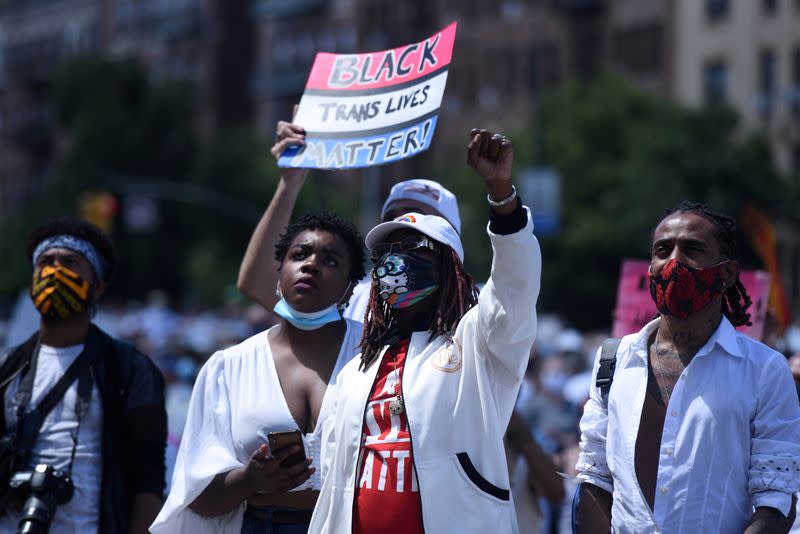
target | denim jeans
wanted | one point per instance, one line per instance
(257, 524)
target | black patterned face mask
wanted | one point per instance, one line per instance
(403, 279)
(681, 290)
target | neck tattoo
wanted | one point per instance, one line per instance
(666, 391)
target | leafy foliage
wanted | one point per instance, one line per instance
(624, 157)
(128, 134)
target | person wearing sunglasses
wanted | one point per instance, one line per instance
(417, 440)
(258, 270)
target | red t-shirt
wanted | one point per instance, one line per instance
(387, 497)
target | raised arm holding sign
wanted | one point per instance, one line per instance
(360, 110)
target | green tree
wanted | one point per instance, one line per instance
(126, 133)
(134, 136)
(624, 156)
(120, 127)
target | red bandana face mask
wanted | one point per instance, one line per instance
(681, 290)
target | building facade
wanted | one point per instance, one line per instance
(35, 37)
(744, 54)
(209, 43)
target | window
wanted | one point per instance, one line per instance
(639, 50)
(507, 58)
(588, 43)
(769, 7)
(795, 92)
(544, 64)
(766, 83)
(716, 9)
(715, 83)
(512, 10)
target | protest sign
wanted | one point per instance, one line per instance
(635, 308)
(757, 284)
(368, 109)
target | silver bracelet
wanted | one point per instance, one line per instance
(499, 203)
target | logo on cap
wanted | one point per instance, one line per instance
(406, 218)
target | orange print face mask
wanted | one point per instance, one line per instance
(59, 293)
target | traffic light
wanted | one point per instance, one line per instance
(99, 208)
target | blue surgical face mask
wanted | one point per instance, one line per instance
(311, 320)
(308, 321)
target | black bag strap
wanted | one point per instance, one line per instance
(30, 423)
(84, 393)
(81, 409)
(4, 360)
(25, 387)
(608, 363)
(10, 378)
(12, 363)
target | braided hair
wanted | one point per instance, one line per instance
(735, 300)
(457, 294)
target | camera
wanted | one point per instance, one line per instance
(45, 489)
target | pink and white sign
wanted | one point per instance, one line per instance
(635, 308)
(368, 109)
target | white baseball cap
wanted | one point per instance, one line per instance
(431, 194)
(433, 226)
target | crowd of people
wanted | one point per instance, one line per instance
(398, 397)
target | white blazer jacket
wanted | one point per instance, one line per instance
(459, 393)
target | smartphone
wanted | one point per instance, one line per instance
(281, 440)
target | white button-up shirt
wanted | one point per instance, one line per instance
(731, 438)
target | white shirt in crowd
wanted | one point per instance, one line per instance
(731, 438)
(55, 441)
(357, 305)
(236, 402)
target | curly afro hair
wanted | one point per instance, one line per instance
(78, 228)
(334, 224)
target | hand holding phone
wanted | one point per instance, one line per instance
(277, 466)
(281, 440)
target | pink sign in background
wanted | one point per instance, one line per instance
(635, 308)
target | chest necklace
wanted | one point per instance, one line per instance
(397, 405)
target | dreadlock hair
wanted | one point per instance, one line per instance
(735, 300)
(457, 294)
(328, 222)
